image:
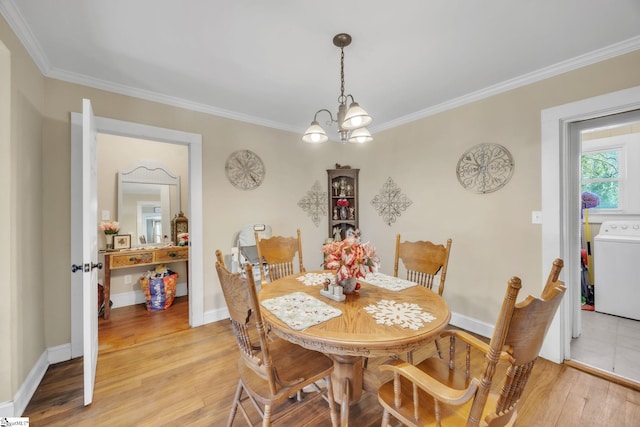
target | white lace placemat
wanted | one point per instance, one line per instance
(300, 310)
(405, 314)
(388, 282)
(312, 279)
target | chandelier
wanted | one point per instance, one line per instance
(351, 122)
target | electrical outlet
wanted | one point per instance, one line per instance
(127, 279)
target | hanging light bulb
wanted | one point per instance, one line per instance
(356, 117)
(360, 136)
(315, 134)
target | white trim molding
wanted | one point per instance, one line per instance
(560, 203)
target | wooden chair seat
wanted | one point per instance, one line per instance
(449, 415)
(446, 392)
(293, 366)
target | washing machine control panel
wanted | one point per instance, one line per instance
(621, 228)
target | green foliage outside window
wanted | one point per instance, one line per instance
(600, 175)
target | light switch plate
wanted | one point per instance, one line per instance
(536, 217)
(106, 215)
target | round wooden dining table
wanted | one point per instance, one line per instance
(357, 332)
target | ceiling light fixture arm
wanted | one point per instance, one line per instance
(328, 122)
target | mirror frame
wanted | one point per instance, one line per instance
(148, 172)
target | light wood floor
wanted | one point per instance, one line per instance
(153, 370)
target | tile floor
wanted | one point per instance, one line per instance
(609, 342)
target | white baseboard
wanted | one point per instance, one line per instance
(125, 299)
(16, 407)
(215, 315)
(471, 325)
(59, 353)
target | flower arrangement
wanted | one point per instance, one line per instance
(342, 203)
(110, 227)
(350, 258)
(183, 239)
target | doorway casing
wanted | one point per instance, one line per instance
(196, 253)
(560, 164)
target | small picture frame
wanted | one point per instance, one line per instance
(122, 241)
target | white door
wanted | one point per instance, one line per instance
(84, 242)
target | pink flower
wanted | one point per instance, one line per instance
(342, 202)
(350, 258)
(110, 227)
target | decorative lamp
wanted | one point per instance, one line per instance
(179, 225)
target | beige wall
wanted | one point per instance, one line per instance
(493, 237)
(22, 286)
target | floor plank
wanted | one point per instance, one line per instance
(154, 370)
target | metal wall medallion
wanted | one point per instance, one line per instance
(485, 168)
(390, 202)
(245, 170)
(315, 203)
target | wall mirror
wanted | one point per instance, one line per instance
(148, 197)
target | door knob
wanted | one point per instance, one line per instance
(86, 268)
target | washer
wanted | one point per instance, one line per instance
(617, 269)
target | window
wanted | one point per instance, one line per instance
(602, 175)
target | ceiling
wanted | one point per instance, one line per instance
(273, 63)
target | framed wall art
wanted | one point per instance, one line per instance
(122, 241)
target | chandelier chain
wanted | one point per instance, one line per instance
(342, 98)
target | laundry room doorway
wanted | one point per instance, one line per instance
(606, 336)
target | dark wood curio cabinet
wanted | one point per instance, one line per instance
(343, 202)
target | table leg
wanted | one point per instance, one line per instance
(344, 406)
(347, 378)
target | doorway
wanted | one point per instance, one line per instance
(196, 257)
(142, 203)
(561, 202)
(610, 153)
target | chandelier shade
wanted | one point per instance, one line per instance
(315, 134)
(356, 117)
(360, 136)
(352, 121)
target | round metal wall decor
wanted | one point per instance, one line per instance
(245, 170)
(485, 168)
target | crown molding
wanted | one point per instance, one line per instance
(28, 40)
(590, 58)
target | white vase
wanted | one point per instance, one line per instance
(108, 238)
(349, 285)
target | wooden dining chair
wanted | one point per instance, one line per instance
(425, 262)
(278, 252)
(220, 257)
(270, 371)
(444, 392)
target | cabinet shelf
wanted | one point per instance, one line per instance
(343, 184)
